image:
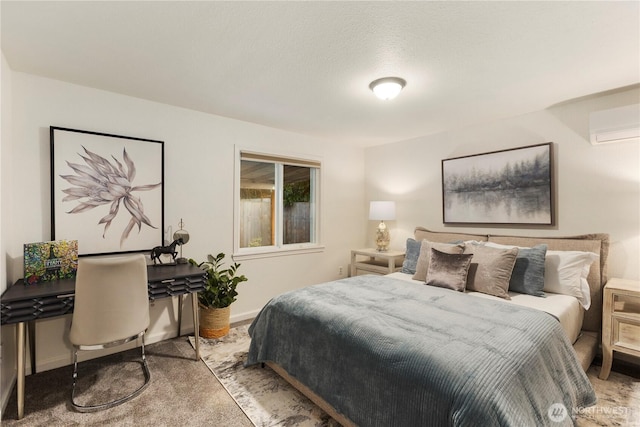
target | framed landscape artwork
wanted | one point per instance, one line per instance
(512, 186)
(107, 191)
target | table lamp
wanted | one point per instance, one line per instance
(382, 211)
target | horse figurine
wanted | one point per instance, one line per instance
(171, 250)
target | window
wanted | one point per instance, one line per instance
(277, 203)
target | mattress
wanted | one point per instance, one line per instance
(565, 308)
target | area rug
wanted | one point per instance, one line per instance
(268, 400)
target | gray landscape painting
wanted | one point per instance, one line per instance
(505, 187)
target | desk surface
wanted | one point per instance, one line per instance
(22, 302)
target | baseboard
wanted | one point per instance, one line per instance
(243, 317)
(66, 360)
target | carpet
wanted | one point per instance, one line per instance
(182, 393)
(268, 400)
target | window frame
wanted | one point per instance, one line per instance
(279, 248)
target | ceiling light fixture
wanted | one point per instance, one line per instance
(387, 87)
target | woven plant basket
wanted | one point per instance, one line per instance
(214, 322)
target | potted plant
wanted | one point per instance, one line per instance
(216, 298)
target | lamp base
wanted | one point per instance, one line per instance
(382, 238)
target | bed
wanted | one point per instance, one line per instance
(388, 350)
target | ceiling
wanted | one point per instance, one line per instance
(305, 66)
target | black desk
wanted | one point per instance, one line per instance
(21, 304)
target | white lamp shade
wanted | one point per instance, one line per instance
(382, 210)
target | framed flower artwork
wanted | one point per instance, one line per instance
(107, 191)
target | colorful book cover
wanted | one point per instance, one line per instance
(46, 261)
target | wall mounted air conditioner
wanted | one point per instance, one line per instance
(615, 125)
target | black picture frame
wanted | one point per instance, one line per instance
(107, 191)
(505, 187)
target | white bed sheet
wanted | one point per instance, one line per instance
(565, 308)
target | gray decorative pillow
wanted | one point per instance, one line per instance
(411, 256)
(448, 270)
(528, 273)
(425, 255)
(490, 269)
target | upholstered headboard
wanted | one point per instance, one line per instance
(596, 243)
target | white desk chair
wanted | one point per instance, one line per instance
(111, 308)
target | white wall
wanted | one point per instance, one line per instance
(598, 188)
(199, 161)
(7, 335)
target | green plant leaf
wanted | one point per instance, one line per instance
(220, 288)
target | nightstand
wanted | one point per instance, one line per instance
(375, 262)
(620, 321)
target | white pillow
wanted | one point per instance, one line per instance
(565, 272)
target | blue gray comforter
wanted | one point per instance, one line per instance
(384, 352)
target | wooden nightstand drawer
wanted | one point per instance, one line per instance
(627, 305)
(375, 267)
(626, 334)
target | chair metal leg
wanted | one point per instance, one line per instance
(100, 407)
